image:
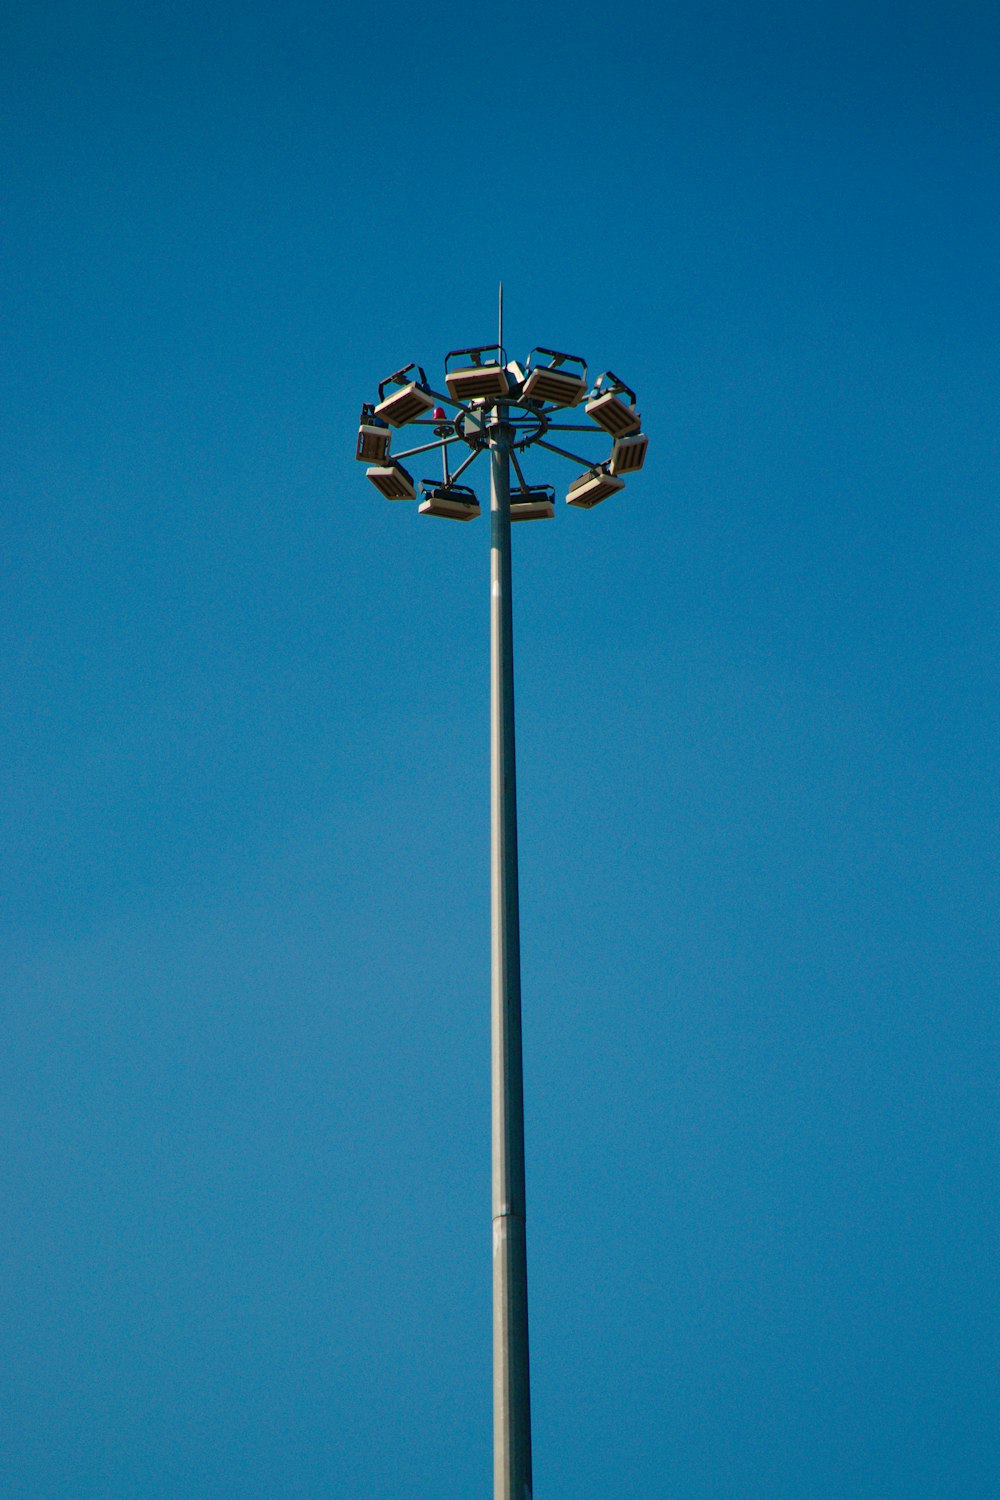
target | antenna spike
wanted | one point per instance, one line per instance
(500, 331)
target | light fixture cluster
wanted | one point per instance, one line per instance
(484, 387)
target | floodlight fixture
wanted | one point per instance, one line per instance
(535, 504)
(455, 502)
(607, 408)
(549, 381)
(510, 412)
(411, 401)
(481, 378)
(628, 454)
(373, 437)
(593, 487)
(392, 480)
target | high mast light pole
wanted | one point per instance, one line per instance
(497, 406)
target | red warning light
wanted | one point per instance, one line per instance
(439, 414)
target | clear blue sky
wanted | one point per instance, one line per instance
(245, 1155)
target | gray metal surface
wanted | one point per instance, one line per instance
(511, 1398)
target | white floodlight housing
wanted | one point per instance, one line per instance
(550, 382)
(628, 454)
(393, 481)
(608, 409)
(404, 405)
(410, 401)
(373, 437)
(613, 415)
(593, 487)
(535, 504)
(482, 378)
(456, 502)
(373, 443)
(478, 381)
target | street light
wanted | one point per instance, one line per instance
(535, 504)
(407, 403)
(609, 410)
(393, 480)
(481, 378)
(373, 437)
(628, 454)
(456, 502)
(504, 409)
(593, 487)
(551, 382)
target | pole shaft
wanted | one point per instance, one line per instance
(511, 1398)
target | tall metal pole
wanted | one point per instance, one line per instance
(612, 405)
(511, 1398)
